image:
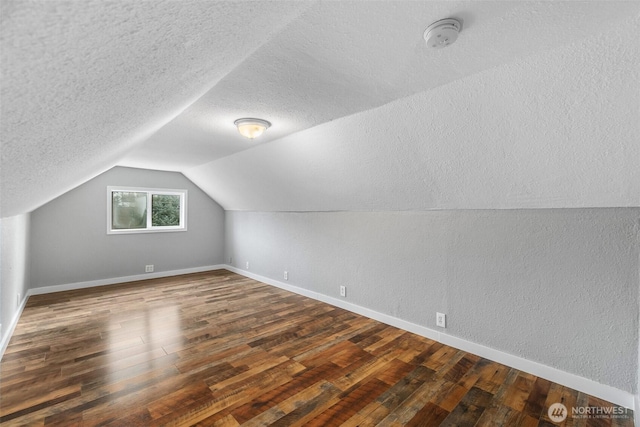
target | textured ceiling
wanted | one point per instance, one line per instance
(84, 82)
(536, 105)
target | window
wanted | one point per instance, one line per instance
(144, 210)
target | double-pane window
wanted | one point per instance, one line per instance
(135, 210)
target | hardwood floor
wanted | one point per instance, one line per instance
(218, 349)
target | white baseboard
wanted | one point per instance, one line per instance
(585, 385)
(122, 279)
(12, 326)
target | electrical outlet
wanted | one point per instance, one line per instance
(286, 275)
(343, 291)
(441, 320)
(247, 265)
(148, 268)
(230, 260)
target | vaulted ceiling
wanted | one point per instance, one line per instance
(536, 105)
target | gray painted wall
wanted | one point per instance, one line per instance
(14, 266)
(557, 286)
(69, 241)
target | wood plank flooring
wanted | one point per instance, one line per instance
(218, 349)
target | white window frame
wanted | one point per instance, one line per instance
(150, 192)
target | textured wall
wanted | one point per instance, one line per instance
(14, 266)
(69, 240)
(559, 287)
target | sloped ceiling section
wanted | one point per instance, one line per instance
(536, 105)
(558, 129)
(85, 81)
(341, 58)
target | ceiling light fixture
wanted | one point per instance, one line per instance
(251, 128)
(442, 33)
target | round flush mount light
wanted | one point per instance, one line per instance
(251, 128)
(442, 33)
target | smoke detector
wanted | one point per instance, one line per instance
(442, 33)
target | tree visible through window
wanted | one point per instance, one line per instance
(165, 210)
(132, 210)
